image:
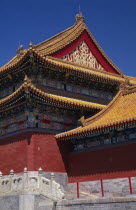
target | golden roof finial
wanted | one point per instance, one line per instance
(80, 17)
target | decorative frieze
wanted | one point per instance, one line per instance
(109, 139)
(72, 88)
(83, 56)
(34, 119)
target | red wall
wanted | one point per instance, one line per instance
(45, 153)
(31, 150)
(108, 163)
(34, 150)
(13, 153)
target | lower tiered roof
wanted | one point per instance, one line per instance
(120, 111)
(28, 88)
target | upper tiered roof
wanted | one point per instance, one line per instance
(121, 110)
(69, 67)
(65, 43)
(52, 52)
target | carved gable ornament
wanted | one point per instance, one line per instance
(83, 56)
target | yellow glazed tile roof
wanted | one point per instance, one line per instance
(120, 110)
(52, 99)
(60, 41)
(55, 62)
(88, 71)
(132, 80)
(15, 61)
(56, 42)
(66, 37)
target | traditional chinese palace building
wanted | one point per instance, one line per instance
(46, 89)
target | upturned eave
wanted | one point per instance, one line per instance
(59, 64)
(119, 113)
(50, 99)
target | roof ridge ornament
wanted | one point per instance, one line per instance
(125, 85)
(27, 80)
(80, 17)
(82, 121)
(31, 45)
(20, 50)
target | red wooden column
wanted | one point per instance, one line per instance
(102, 188)
(77, 186)
(130, 185)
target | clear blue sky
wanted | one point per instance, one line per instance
(112, 22)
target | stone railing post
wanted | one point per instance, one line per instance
(52, 189)
(11, 179)
(55, 189)
(48, 187)
(0, 178)
(39, 178)
(25, 179)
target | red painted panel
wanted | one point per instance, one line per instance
(108, 163)
(46, 153)
(13, 153)
(85, 37)
(32, 150)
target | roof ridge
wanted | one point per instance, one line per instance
(129, 90)
(74, 27)
(60, 33)
(84, 67)
(91, 71)
(6, 64)
(53, 44)
(50, 59)
(103, 53)
(83, 27)
(11, 63)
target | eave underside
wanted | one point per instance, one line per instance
(28, 91)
